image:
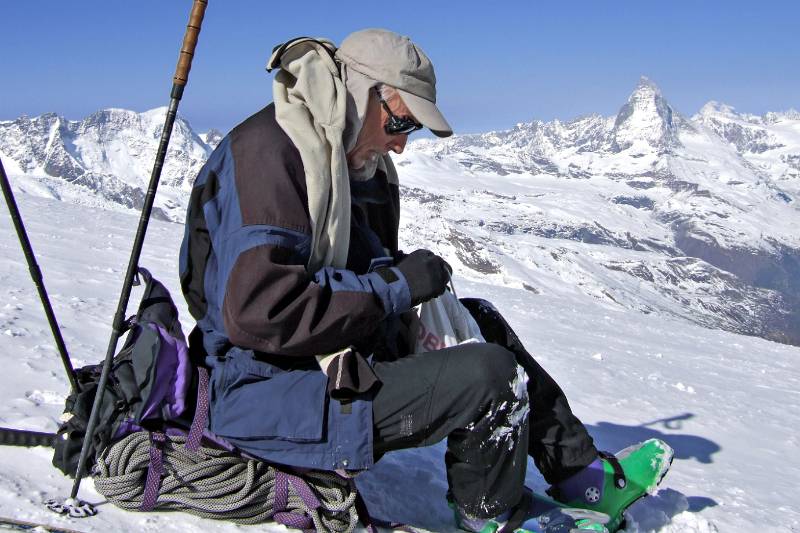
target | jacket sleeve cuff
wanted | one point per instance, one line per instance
(392, 290)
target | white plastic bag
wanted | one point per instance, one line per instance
(444, 322)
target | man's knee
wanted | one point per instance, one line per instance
(488, 366)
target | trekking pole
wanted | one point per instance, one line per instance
(36, 274)
(72, 506)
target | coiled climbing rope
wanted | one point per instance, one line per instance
(218, 484)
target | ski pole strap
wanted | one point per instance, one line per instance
(155, 469)
(620, 481)
(200, 419)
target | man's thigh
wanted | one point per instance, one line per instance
(424, 397)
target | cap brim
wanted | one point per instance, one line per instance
(427, 114)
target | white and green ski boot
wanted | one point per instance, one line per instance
(613, 482)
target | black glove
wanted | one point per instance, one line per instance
(427, 275)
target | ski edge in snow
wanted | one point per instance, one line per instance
(19, 525)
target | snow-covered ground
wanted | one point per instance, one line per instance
(728, 404)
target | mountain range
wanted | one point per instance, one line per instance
(694, 217)
(105, 160)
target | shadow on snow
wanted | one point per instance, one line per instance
(614, 437)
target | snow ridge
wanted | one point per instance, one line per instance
(105, 159)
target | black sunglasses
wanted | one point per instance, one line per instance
(397, 125)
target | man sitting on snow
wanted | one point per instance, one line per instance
(290, 265)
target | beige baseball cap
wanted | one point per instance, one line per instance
(382, 56)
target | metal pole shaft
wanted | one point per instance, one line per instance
(179, 82)
(36, 274)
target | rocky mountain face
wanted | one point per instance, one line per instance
(212, 137)
(104, 159)
(646, 121)
(648, 209)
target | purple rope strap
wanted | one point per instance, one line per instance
(295, 521)
(281, 491)
(304, 491)
(280, 514)
(155, 469)
(195, 437)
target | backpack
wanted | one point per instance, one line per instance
(151, 385)
(151, 451)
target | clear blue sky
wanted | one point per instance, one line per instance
(498, 63)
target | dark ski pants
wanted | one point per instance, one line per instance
(559, 443)
(464, 394)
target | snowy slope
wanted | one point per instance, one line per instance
(769, 142)
(727, 403)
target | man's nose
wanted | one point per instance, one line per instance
(398, 143)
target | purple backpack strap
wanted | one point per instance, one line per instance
(155, 470)
(195, 437)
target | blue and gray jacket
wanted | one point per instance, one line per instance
(262, 317)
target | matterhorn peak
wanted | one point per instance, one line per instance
(647, 85)
(646, 121)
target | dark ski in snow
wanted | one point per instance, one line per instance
(10, 524)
